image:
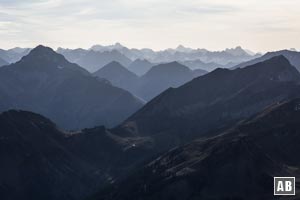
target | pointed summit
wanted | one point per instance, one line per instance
(237, 51)
(182, 48)
(118, 75)
(43, 57)
(44, 53)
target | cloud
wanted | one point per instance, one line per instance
(157, 24)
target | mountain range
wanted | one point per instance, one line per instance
(181, 53)
(235, 140)
(119, 76)
(161, 77)
(69, 134)
(93, 60)
(140, 60)
(152, 83)
(216, 100)
(46, 83)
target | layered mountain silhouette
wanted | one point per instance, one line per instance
(14, 54)
(292, 56)
(214, 101)
(203, 138)
(38, 161)
(119, 76)
(198, 64)
(181, 54)
(93, 60)
(140, 67)
(239, 164)
(151, 84)
(46, 83)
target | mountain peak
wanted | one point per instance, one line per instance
(42, 48)
(112, 70)
(278, 61)
(43, 53)
(277, 68)
(118, 45)
(42, 57)
(182, 48)
(172, 67)
(237, 51)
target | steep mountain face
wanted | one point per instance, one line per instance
(46, 83)
(35, 163)
(119, 76)
(13, 55)
(214, 101)
(93, 60)
(38, 161)
(140, 67)
(3, 62)
(292, 56)
(161, 77)
(239, 164)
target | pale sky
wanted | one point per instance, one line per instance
(258, 25)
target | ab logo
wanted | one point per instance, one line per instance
(284, 185)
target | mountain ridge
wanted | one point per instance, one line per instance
(63, 91)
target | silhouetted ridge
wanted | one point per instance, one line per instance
(39, 161)
(292, 56)
(238, 164)
(215, 101)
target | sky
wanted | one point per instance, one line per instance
(258, 25)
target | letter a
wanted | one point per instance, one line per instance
(280, 187)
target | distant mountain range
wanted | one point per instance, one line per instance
(93, 60)
(46, 83)
(181, 53)
(139, 61)
(155, 81)
(239, 164)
